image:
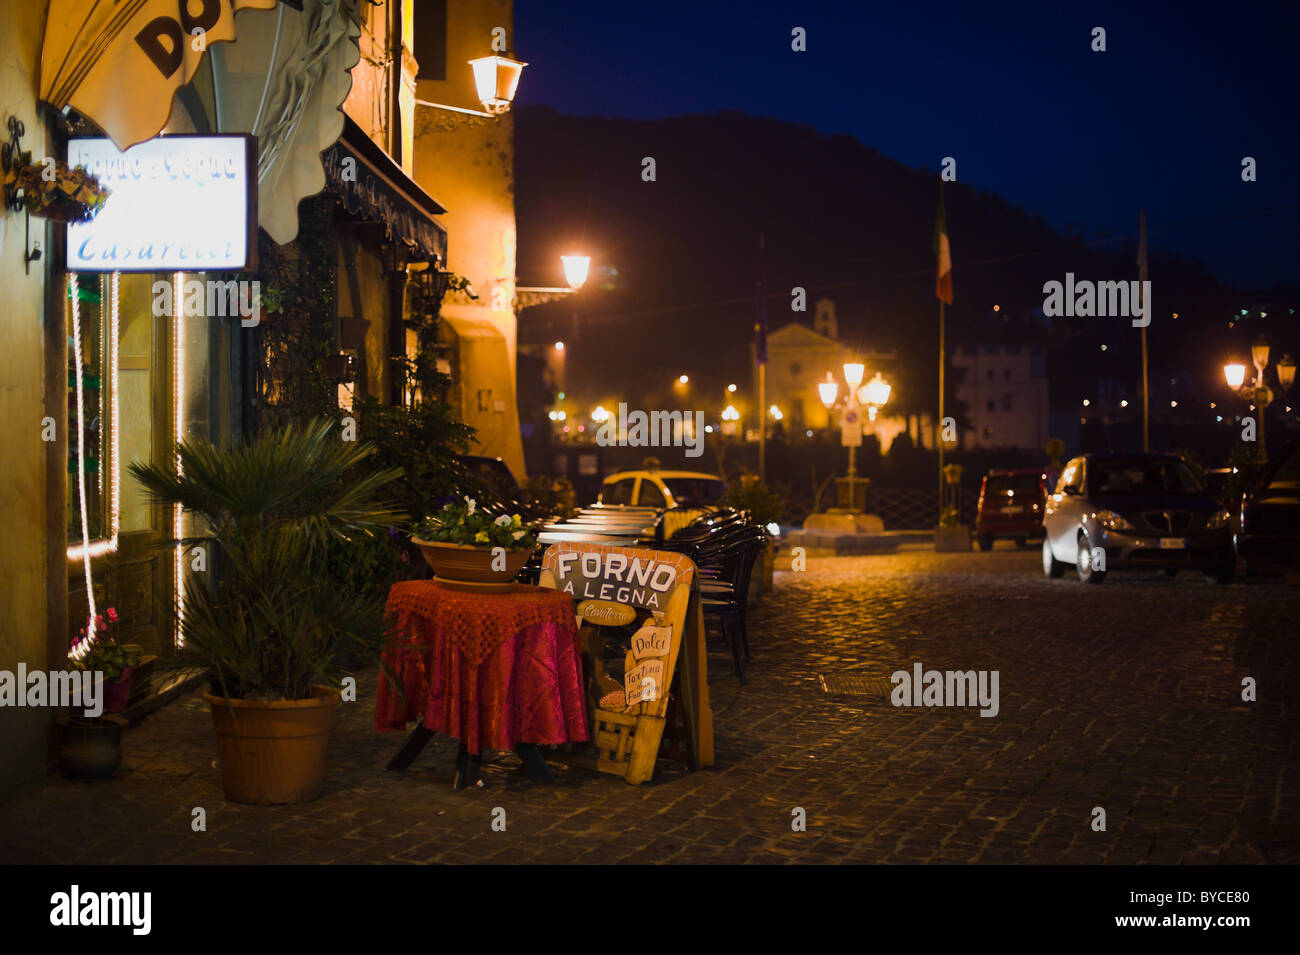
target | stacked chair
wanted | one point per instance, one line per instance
(724, 544)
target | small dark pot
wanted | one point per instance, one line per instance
(91, 749)
(338, 367)
(117, 693)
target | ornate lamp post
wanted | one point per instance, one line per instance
(871, 396)
(1257, 391)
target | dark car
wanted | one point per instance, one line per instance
(1138, 511)
(1010, 507)
(1269, 538)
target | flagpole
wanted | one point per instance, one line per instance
(938, 429)
(761, 357)
(1143, 277)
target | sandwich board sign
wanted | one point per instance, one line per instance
(644, 604)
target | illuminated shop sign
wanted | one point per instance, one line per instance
(178, 203)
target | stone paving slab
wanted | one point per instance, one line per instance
(1124, 696)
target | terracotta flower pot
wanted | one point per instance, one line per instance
(90, 749)
(470, 567)
(273, 751)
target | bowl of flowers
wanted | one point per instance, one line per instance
(470, 549)
(54, 190)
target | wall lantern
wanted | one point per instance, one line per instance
(433, 283)
(496, 78)
(576, 268)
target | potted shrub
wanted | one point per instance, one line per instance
(951, 535)
(471, 549)
(274, 628)
(766, 505)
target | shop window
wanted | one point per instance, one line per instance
(90, 409)
(431, 39)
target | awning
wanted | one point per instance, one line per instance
(372, 186)
(120, 62)
(285, 82)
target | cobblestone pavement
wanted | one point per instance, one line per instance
(1125, 696)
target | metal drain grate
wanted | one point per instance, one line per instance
(855, 684)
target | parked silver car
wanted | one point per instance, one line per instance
(1136, 511)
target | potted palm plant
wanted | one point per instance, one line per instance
(274, 630)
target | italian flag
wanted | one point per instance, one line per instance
(943, 276)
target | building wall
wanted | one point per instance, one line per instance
(467, 163)
(1014, 381)
(24, 544)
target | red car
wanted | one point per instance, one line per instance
(1011, 506)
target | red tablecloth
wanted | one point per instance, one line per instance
(490, 669)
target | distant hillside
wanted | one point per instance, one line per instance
(840, 220)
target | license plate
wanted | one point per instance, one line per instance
(1173, 543)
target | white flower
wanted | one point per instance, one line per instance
(502, 521)
(472, 504)
(518, 534)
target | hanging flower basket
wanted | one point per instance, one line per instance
(69, 195)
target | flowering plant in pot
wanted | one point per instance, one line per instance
(54, 190)
(116, 660)
(275, 631)
(469, 547)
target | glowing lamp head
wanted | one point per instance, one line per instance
(1235, 374)
(775, 412)
(1286, 372)
(853, 372)
(828, 390)
(1259, 353)
(559, 346)
(576, 268)
(876, 392)
(683, 379)
(496, 78)
(730, 413)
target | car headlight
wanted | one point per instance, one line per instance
(1112, 521)
(1218, 519)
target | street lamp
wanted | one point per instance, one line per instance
(871, 396)
(875, 394)
(730, 420)
(1258, 391)
(496, 78)
(576, 268)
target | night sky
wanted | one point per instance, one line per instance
(1014, 93)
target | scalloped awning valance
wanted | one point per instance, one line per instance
(370, 185)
